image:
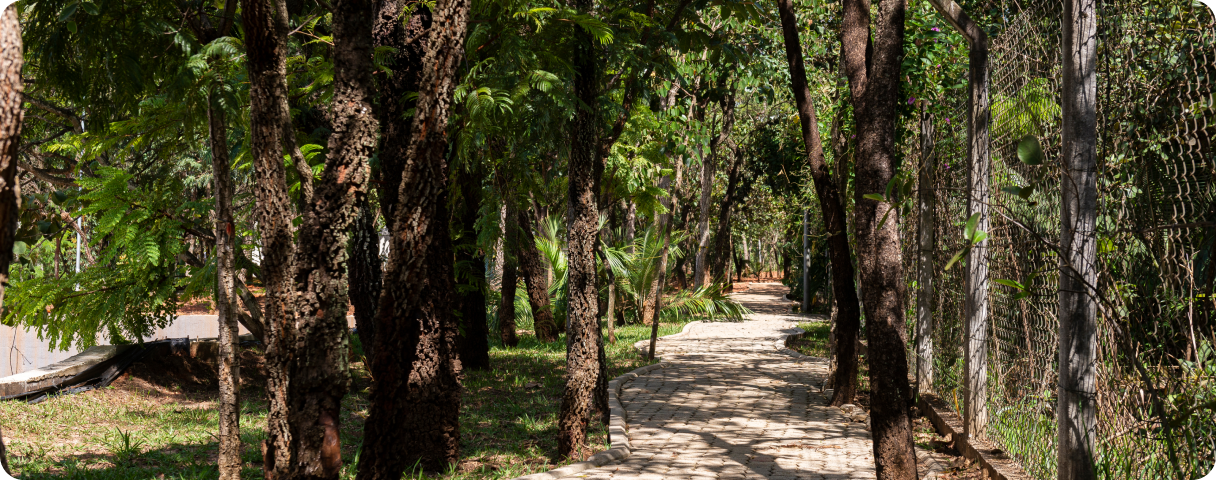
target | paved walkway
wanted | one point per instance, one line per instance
(731, 407)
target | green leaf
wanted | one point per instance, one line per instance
(875, 197)
(72, 26)
(980, 236)
(67, 13)
(19, 248)
(1026, 192)
(969, 229)
(1029, 150)
(958, 256)
(90, 8)
(1012, 190)
(1010, 283)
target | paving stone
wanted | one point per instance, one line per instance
(730, 406)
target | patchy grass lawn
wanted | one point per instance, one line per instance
(144, 426)
(815, 344)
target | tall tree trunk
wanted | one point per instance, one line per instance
(475, 345)
(225, 297)
(265, 23)
(582, 324)
(510, 264)
(314, 371)
(533, 270)
(415, 407)
(722, 239)
(11, 114)
(365, 272)
(848, 314)
(873, 69)
(708, 166)
(1077, 411)
(408, 40)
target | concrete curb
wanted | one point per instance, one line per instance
(618, 430)
(996, 463)
(643, 346)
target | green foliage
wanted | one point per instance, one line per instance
(132, 287)
(636, 276)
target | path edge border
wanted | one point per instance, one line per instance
(618, 430)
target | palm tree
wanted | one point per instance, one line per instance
(636, 274)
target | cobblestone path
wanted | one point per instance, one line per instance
(730, 406)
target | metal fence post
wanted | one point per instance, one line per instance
(979, 178)
(927, 244)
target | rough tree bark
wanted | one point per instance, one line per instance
(365, 272)
(1077, 410)
(11, 114)
(510, 264)
(582, 324)
(827, 190)
(407, 36)
(265, 23)
(533, 270)
(225, 297)
(873, 68)
(313, 358)
(475, 345)
(414, 410)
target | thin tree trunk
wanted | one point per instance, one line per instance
(475, 346)
(533, 269)
(848, 311)
(11, 115)
(722, 239)
(664, 227)
(265, 26)
(229, 457)
(582, 332)
(415, 407)
(365, 273)
(873, 68)
(707, 178)
(1077, 411)
(510, 268)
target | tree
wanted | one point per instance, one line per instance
(471, 270)
(510, 264)
(414, 414)
(533, 269)
(582, 216)
(873, 69)
(11, 114)
(307, 284)
(1077, 409)
(848, 311)
(225, 296)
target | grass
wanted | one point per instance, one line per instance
(814, 343)
(140, 429)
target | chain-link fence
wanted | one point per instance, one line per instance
(1156, 230)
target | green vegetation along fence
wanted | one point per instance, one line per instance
(1156, 230)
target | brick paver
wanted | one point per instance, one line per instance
(730, 406)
